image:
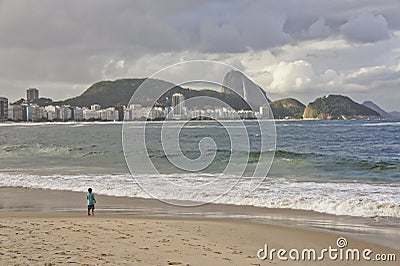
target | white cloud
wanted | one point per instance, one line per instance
(292, 76)
(114, 69)
(375, 77)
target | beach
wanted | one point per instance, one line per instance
(210, 132)
(43, 227)
(312, 197)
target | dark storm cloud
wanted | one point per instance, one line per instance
(366, 28)
(62, 44)
(89, 25)
(176, 25)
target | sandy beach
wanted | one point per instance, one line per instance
(40, 227)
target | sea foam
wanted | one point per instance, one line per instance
(353, 199)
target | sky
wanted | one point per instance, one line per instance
(302, 49)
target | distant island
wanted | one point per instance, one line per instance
(338, 107)
(117, 94)
(288, 108)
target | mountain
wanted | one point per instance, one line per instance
(337, 107)
(112, 93)
(375, 107)
(395, 114)
(236, 81)
(119, 92)
(106, 93)
(287, 108)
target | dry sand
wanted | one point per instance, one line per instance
(38, 236)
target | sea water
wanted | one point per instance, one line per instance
(336, 167)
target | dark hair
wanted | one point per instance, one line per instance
(90, 190)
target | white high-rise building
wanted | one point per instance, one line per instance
(178, 105)
(89, 114)
(109, 114)
(66, 113)
(78, 114)
(265, 112)
(52, 112)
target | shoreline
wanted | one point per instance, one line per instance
(52, 227)
(59, 203)
(100, 122)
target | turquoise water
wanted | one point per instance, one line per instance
(351, 150)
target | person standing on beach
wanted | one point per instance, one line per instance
(91, 201)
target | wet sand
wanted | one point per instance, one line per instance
(41, 226)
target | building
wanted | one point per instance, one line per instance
(66, 113)
(178, 105)
(78, 113)
(266, 112)
(88, 114)
(109, 114)
(18, 112)
(246, 114)
(121, 112)
(156, 113)
(3, 109)
(52, 112)
(32, 94)
(129, 115)
(33, 113)
(42, 114)
(95, 107)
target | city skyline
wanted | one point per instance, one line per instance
(29, 111)
(341, 47)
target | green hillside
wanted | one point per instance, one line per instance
(337, 107)
(287, 108)
(119, 92)
(111, 93)
(107, 93)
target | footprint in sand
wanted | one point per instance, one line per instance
(237, 252)
(174, 263)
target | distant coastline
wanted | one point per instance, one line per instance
(109, 101)
(100, 122)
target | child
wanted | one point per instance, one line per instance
(91, 201)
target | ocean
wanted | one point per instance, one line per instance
(336, 167)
